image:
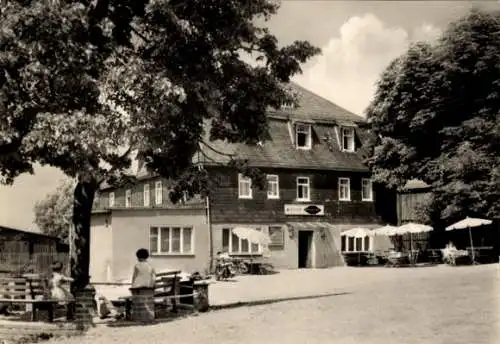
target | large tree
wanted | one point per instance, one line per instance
(53, 213)
(85, 83)
(435, 117)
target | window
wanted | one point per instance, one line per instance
(366, 190)
(303, 136)
(145, 195)
(287, 106)
(234, 245)
(111, 199)
(273, 188)
(171, 240)
(303, 192)
(244, 186)
(277, 236)
(348, 139)
(352, 244)
(344, 189)
(128, 198)
(158, 193)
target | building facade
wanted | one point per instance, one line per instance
(23, 251)
(316, 187)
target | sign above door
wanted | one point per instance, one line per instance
(304, 209)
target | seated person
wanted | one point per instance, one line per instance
(144, 274)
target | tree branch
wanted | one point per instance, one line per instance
(139, 34)
(216, 150)
(209, 158)
(113, 169)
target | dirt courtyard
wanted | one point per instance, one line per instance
(358, 305)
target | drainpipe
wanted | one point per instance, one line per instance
(210, 234)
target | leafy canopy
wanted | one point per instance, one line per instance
(84, 84)
(53, 213)
(435, 117)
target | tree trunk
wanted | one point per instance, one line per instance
(82, 211)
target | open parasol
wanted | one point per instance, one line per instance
(357, 232)
(412, 228)
(252, 235)
(469, 222)
(385, 230)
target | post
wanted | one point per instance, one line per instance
(472, 247)
(71, 244)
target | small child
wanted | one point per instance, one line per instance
(144, 274)
(58, 285)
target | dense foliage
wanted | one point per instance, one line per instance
(83, 84)
(53, 213)
(435, 117)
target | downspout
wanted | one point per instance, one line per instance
(210, 235)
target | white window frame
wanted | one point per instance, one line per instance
(363, 248)
(299, 184)
(111, 199)
(276, 183)
(146, 196)
(244, 180)
(158, 192)
(128, 198)
(303, 128)
(159, 252)
(351, 137)
(240, 252)
(348, 198)
(370, 183)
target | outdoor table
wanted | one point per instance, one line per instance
(435, 255)
(479, 252)
(396, 259)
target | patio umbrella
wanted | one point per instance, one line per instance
(469, 222)
(358, 232)
(252, 235)
(385, 230)
(412, 228)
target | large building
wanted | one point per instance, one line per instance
(317, 187)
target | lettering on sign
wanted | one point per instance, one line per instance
(304, 209)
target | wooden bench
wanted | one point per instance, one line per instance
(29, 291)
(170, 292)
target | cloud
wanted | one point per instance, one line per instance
(351, 62)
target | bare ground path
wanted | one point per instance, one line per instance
(418, 305)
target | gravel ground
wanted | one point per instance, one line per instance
(420, 305)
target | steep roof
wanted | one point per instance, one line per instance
(315, 108)
(279, 151)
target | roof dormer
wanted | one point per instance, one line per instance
(347, 138)
(303, 136)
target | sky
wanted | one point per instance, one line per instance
(358, 40)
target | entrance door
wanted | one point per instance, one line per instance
(305, 251)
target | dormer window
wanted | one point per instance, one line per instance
(348, 143)
(303, 135)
